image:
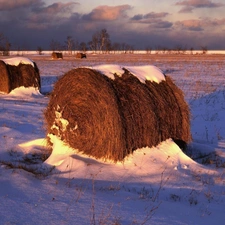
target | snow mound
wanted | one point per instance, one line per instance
(143, 164)
(25, 92)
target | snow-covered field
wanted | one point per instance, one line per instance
(159, 185)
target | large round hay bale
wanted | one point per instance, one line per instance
(4, 78)
(17, 72)
(111, 117)
(83, 112)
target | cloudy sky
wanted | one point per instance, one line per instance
(140, 23)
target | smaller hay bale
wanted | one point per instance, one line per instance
(81, 55)
(18, 72)
(57, 55)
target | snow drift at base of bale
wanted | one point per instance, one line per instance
(17, 72)
(108, 115)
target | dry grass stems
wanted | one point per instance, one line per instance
(109, 119)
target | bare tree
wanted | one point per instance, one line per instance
(39, 50)
(69, 44)
(148, 49)
(93, 44)
(55, 45)
(204, 49)
(178, 48)
(100, 41)
(4, 45)
(116, 47)
(105, 40)
(83, 46)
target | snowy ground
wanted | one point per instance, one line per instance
(159, 185)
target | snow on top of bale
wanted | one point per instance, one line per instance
(143, 73)
(15, 61)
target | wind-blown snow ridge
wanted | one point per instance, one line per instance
(143, 73)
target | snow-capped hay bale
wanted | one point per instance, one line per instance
(83, 112)
(4, 78)
(138, 106)
(57, 55)
(17, 72)
(109, 114)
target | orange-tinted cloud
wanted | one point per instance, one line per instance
(200, 24)
(107, 13)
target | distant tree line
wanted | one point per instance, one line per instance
(100, 42)
(178, 49)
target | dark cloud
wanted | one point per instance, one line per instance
(107, 13)
(190, 5)
(161, 24)
(152, 19)
(145, 18)
(34, 14)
